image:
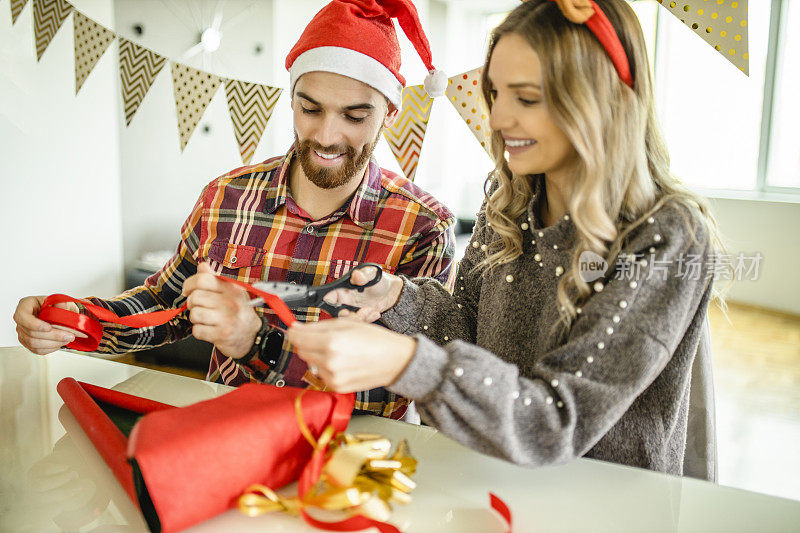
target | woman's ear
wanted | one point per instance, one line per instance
(391, 116)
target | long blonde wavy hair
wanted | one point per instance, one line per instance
(622, 172)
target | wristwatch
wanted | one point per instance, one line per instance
(266, 346)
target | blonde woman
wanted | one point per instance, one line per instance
(536, 358)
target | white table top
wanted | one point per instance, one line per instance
(52, 479)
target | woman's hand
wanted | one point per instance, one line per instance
(350, 355)
(374, 300)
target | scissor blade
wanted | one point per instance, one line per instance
(281, 288)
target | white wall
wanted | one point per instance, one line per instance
(159, 184)
(750, 226)
(60, 204)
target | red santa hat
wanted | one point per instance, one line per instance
(356, 38)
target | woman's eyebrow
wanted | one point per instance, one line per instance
(524, 84)
(518, 85)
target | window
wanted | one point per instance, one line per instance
(783, 166)
(710, 111)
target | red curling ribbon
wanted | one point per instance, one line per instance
(93, 329)
(501, 507)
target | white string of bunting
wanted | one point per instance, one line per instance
(250, 105)
(721, 23)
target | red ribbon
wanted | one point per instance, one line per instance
(501, 507)
(93, 329)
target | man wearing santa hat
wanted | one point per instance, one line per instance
(306, 217)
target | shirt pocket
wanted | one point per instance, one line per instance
(238, 261)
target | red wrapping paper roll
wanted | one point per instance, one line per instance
(111, 444)
(194, 462)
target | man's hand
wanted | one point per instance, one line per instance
(350, 355)
(373, 300)
(220, 313)
(37, 335)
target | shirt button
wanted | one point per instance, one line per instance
(233, 259)
(280, 383)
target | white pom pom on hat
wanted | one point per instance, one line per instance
(435, 83)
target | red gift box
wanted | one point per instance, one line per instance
(185, 465)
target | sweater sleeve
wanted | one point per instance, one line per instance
(426, 304)
(576, 392)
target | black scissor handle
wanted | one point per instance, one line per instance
(333, 309)
(320, 291)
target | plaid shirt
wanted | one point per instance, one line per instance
(247, 226)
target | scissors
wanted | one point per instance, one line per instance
(300, 296)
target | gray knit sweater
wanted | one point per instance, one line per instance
(491, 372)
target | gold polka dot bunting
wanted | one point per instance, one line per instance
(721, 23)
(464, 93)
(194, 90)
(91, 42)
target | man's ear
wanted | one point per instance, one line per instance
(391, 116)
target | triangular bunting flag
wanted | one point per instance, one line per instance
(91, 42)
(406, 135)
(16, 8)
(464, 92)
(723, 25)
(138, 67)
(250, 106)
(194, 89)
(48, 16)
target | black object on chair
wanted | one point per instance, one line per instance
(187, 353)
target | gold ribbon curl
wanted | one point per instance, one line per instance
(360, 476)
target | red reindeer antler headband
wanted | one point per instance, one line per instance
(589, 13)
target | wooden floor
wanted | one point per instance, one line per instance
(757, 380)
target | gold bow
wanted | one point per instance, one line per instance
(359, 477)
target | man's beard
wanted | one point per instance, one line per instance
(331, 178)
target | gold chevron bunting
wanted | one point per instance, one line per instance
(138, 68)
(48, 16)
(408, 131)
(16, 8)
(250, 106)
